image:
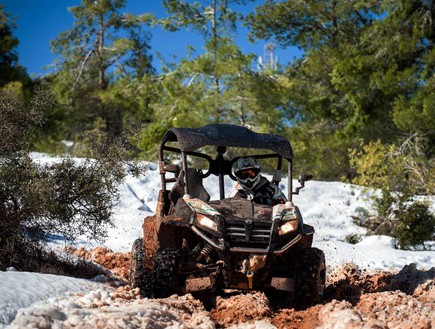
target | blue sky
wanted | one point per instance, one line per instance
(40, 21)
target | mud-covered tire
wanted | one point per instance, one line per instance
(280, 268)
(280, 299)
(166, 280)
(136, 273)
(310, 277)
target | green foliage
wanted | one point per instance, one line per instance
(10, 70)
(310, 23)
(101, 50)
(403, 168)
(13, 77)
(17, 121)
(385, 204)
(398, 215)
(216, 86)
(367, 74)
(210, 18)
(416, 114)
(38, 200)
(320, 152)
(353, 238)
(377, 166)
(416, 224)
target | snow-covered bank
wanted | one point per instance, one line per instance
(22, 289)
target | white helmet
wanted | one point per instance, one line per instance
(247, 172)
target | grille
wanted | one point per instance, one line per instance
(249, 231)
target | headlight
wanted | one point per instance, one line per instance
(206, 222)
(288, 227)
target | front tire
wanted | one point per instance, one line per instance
(310, 277)
(136, 272)
(166, 278)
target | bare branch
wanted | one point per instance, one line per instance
(82, 66)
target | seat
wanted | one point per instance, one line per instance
(196, 189)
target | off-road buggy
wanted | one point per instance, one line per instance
(193, 244)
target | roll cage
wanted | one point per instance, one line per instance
(188, 141)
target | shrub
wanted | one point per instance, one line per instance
(415, 225)
(353, 238)
(376, 166)
(38, 201)
(402, 168)
(396, 171)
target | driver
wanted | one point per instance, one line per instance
(251, 185)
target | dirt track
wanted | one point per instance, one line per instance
(353, 299)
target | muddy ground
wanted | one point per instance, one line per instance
(353, 299)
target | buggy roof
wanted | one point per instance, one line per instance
(191, 139)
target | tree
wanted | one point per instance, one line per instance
(218, 84)
(366, 74)
(214, 21)
(10, 70)
(103, 46)
(326, 118)
(311, 24)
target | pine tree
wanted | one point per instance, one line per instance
(218, 84)
(10, 69)
(366, 74)
(103, 45)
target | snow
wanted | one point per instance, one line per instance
(328, 206)
(22, 289)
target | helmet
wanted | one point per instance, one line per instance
(247, 172)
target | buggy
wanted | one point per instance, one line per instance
(193, 244)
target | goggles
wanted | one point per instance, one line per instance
(247, 173)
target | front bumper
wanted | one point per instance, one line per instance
(220, 244)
